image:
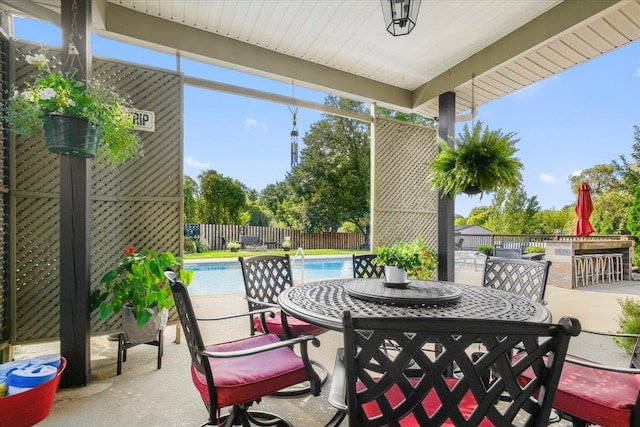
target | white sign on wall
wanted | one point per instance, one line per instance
(144, 120)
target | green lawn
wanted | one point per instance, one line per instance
(229, 254)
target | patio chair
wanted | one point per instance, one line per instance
(425, 396)
(522, 277)
(593, 393)
(265, 277)
(364, 266)
(239, 373)
(459, 244)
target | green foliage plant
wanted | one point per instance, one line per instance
(56, 92)
(139, 283)
(286, 244)
(233, 246)
(629, 322)
(633, 225)
(534, 250)
(482, 161)
(486, 249)
(414, 256)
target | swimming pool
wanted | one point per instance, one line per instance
(216, 278)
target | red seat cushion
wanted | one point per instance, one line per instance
(247, 378)
(296, 326)
(596, 396)
(431, 403)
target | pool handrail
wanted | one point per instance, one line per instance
(293, 260)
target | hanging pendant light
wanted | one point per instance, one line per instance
(400, 16)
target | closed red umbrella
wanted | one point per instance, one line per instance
(584, 208)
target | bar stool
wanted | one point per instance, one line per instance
(579, 269)
(618, 268)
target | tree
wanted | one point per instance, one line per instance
(601, 178)
(479, 215)
(222, 199)
(332, 179)
(611, 211)
(630, 171)
(405, 117)
(552, 221)
(190, 196)
(633, 225)
(513, 212)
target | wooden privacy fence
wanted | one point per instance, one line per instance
(215, 236)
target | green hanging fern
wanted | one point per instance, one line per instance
(482, 162)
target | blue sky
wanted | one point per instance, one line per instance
(566, 123)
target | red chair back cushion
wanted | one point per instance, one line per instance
(296, 326)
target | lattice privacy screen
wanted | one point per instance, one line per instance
(404, 204)
(138, 204)
(4, 193)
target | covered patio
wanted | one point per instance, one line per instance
(341, 48)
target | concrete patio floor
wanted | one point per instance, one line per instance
(143, 395)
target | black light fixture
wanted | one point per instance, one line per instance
(400, 15)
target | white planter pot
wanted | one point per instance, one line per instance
(148, 332)
(395, 274)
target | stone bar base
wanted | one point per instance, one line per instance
(561, 253)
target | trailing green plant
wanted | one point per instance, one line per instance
(139, 283)
(482, 161)
(57, 92)
(418, 260)
(629, 322)
(485, 249)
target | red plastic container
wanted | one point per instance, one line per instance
(32, 406)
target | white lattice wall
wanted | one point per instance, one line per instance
(404, 204)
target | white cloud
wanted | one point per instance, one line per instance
(637, 74)
(190, 161)
(547, 179)
(249, 122)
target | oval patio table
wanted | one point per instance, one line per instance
(322, 303)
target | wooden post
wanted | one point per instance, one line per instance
(75, 214)
(446, 205)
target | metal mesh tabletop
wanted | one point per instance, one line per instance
(322, 303)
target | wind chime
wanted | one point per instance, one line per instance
(294, 131)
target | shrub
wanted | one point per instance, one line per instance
(629, 322)
(534, 250)
(189, 246)
(486, 249)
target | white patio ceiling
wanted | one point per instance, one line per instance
(341, 47)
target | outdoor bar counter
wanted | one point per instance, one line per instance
(561, 254)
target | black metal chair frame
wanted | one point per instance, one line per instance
(523, 277)
(364, 266)
(202, 360)
(265, 277)
(362, 346)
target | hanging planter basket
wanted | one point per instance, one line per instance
(472, 190)
(70, 135)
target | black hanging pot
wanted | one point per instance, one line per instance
(70, 135)
(471, 190)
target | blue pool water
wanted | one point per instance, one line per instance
(215, 278)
